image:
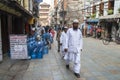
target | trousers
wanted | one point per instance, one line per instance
(76, 60)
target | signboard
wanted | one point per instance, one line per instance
(1, 58)
(18, 47)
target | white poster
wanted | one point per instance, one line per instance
(1, 57)
(18, 47)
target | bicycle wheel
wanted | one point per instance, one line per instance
(106, 41)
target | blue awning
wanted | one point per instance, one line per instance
(92, 20)
(38, 1)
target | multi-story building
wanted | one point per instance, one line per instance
(74, 10)
(65, 9)
(44, 14)
(106, 13)
(56, 16)
(55, 3)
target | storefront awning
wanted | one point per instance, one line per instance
(110, 16)
(92, 20)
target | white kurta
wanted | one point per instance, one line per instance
(63, 39)
(74, 44)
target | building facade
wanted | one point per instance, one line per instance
(65, 9)
(44, 14)
(14, 19)
(105, 13)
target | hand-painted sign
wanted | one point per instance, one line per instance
(18, 47)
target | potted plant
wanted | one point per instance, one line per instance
(110, 11)
(93, 15)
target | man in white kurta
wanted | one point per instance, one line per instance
(73, 46)
(63, 38)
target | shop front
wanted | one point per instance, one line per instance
(13, 19)
(111, 25)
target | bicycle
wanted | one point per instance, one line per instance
(117, 39)
(107, 39)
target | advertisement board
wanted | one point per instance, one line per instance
(18, 47)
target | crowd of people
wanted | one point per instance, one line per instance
(70, 43)
(69, 39)
(92, 30)
(39, 41)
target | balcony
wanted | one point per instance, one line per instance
(93, 16)
(110, 12)
(111, 7)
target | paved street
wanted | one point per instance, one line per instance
(99, 62)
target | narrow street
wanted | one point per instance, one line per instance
(99, 62)
(27, 29)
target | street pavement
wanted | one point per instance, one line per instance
(98, 62)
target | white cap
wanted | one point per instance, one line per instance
(33, 29)
(65, 27)
(38, 36)
(75, 21)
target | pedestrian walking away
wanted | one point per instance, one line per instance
(58, 38)
(74, 44)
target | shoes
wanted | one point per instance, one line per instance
(67, 66)
(58, 50)
(77, 75)
(62, 57)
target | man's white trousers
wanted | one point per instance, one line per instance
(75, 57)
